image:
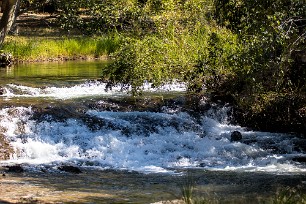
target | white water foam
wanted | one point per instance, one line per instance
(145, 142)
(92, 88)
(62, 93)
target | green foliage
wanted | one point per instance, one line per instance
(108, 44)
(269, 73)
(138, 61)
(271, 32)
(150, 59)
(96, 16)
(183, 47)
(216, 62)
(45, 6)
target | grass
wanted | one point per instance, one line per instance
(43, 49)
(286, 195)
(192, 193)
(187, 190)
(190, 196)
(289, 196)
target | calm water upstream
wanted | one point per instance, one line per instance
(130, 151)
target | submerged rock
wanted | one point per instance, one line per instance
(2, 91)
(15, 169)
(300, 159)
(57, 113)
(236, 136)
(70, 169)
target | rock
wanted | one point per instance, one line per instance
(15, 169)
(300, 145)
(236, 136)
(299, 159)
(2, 91)
(5, 59)
(57, 113)
(5, 148)
(70, 169)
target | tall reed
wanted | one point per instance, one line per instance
(39, 49)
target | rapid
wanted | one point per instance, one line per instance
(64, 115)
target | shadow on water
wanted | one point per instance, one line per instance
(110, 186)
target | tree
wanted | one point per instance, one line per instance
(10, 9)
(273, 33)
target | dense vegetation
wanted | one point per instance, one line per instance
(271, 67)
(251, 54)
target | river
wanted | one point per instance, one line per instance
(130, 150)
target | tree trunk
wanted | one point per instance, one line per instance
(9, 8)
(12, 22)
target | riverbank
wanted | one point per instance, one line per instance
(32, 49)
